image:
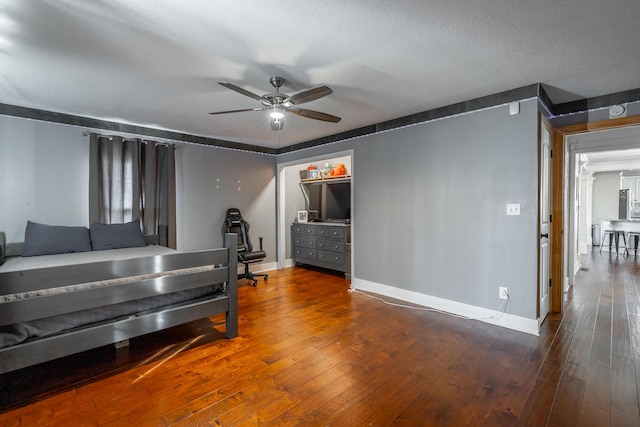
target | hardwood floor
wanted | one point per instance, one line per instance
(312, 353)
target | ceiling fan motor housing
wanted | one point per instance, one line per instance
(276, 81)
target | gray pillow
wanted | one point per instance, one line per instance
(116, 236)
(43, 239)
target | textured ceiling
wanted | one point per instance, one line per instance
(157, 63)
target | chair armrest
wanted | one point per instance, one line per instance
(3, 243)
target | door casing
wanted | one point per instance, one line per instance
(560, 200)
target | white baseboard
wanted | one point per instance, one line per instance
(506, 320)
(259, 268)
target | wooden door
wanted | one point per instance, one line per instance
(544, 258)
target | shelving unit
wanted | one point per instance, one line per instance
(325, 244)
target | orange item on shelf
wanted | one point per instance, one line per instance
(338, 170)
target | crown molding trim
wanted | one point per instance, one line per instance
(525, 92)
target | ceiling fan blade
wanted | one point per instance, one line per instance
(311, 114)
(238, 111)
(240, 90)
(309, 95)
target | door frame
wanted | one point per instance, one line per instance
(281, 221)
(561, 203)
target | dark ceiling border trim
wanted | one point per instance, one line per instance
(68, 119)
(603, 101)
(442, 112)
(525, 92)
(545, 100)
(500, 98)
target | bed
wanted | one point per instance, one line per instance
(55, 305)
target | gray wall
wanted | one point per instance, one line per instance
(429, 200)
(430, 207)
(44, 170)
(215, 179)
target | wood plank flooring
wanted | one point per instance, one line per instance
(311, 353)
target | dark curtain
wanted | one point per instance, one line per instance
(130, 179)
(159, 192)
(115, 186)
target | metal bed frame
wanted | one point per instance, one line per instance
(77, 340)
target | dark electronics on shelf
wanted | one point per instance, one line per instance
(332, 201)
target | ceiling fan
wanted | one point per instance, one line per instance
(279, 103)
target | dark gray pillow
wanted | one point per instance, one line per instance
(43, 239)
(116, 236)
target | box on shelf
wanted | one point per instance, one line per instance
(308, 174)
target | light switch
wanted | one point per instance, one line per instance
(513, 208)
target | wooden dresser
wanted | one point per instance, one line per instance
(320, 244)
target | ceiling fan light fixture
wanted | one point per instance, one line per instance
(277, 124)
(277, 114)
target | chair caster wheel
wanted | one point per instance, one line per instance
(266, 278)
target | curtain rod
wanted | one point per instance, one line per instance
(86, 133)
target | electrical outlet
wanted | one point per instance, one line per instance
(513, 208)
(503, 293)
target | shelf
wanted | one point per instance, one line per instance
(332, 179)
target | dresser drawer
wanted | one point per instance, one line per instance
(330, 245)
(304, 229)
(297, 229)
(305, 253)
(332, 257)
(330, 232)
(304, 242)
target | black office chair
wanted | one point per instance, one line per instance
(234, 223)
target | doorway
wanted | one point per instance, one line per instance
(601, 174)
(290, 199)
(607, 135)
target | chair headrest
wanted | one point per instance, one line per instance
(233, 216)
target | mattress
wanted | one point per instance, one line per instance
(21, 332)
(43, 261)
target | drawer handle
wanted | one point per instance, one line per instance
(335, 247)
(310, 243)
(310, 253)
(309, 231)
(337, 259)
(335, 233)
(321, 231)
